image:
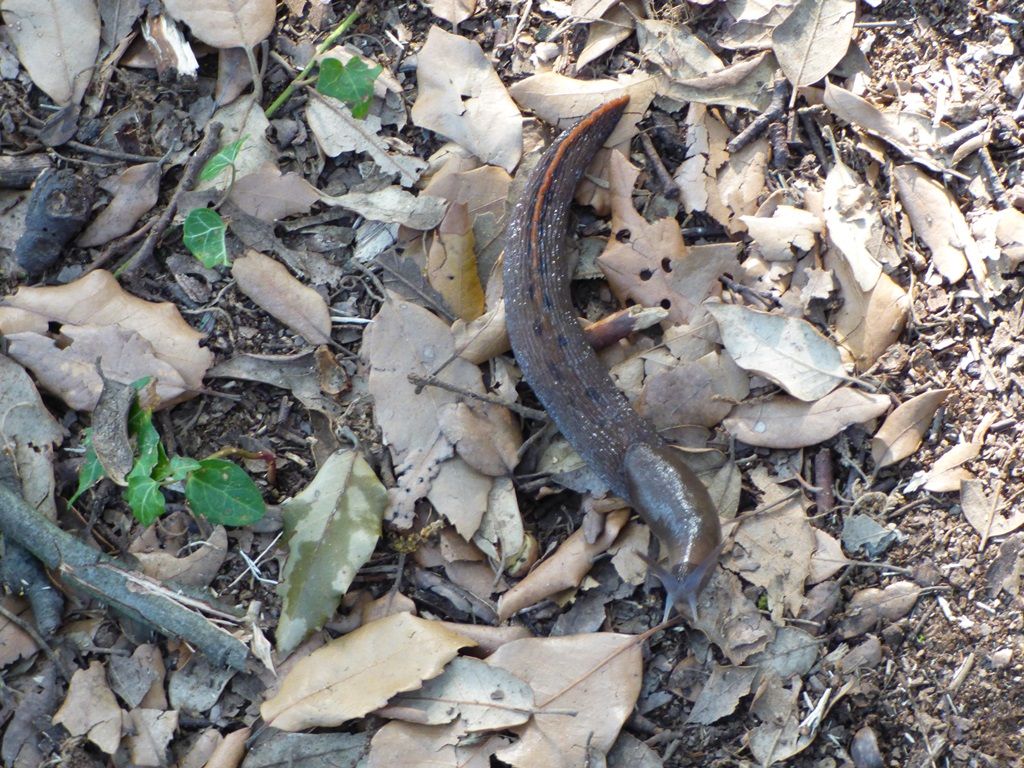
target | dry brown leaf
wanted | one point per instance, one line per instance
(270, 195)
(604, 34)
(197, 569)
(989, 516)
(782, 732)
(453, 11)
(57, 44)
(487, 439)
(136, 189)
(773, 550)
(271, 286)
(701, 393)
(745, 83)
(564, 568)
(462, 98)
(828, 558)
(786, 234)
(70, 370)
(451, 264)
(337, 131)
(226, 23)
(910, 133)
(937, 220)
(905, 427)
(98, 300)
(482, 697)
(947, 472)
(596, 677)
(786, 350)
(360, 671)
(149, 733)
(15, 643)
(675, 50)
(392, 205)
(649, 264)
(785, 422)
(869, 606)
(424, 746)
(721, 693)
(868, 322)
(855, 227)
(90, 709)
(813, 39)
(482, 190)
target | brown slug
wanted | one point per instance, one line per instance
(564, 371)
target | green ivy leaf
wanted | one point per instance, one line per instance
(145, 498)
(223, 492)
(351, 83)
(91, 471)
(147, 441)
(178, 468)
(224, 159)
(204, 237)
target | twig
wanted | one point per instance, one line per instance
(206, 150)
(669, 187)
(992, 181)
(760, 123)
(29, 630)
(522, 410)
(341, 29)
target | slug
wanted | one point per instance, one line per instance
(575, 388)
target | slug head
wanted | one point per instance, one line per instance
(674, 502)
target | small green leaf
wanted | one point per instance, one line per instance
(145, 498)
(178, 468)
(351, 83)
(224, 159)
(91, 471)
(204, 237)
(147, 441)
(222, 492)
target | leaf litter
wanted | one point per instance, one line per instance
(831, 284)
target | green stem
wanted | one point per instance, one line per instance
(327, 43)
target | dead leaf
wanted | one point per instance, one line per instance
(90, 709)
(136, 190)
(423, 746)
(721, 693)
(702, 393)
(745, 84)
(360, 671)
(451, 265)
(563, 569)
(604, 34)
(786, 350)
(271, 286)
(151, 730)
(98, 300)
(453, 11)
(785, 422)
(270, 195)
(196, 569)
(482, 697)
(462, 98)
(392, 205)
(488, 439)
(56, 43)
(226, 23)
(482, 189)
(596, 677)
(904, 428)
(67, 365)
(813, 39)
(947, 472)
(989, 516)
(15, 643)
(870, 606)
(785, 235)
(782, 732)
(675, 50)
(337, 131)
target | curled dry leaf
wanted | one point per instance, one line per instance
(564, 568)
(869, 606)
(462, 98)
(98, 300)
(786, 350)
(904, 428)
(988, 515)
(271, 286)
(596, 677)
(226, 23)
(135, 190)
(785, 422)
(813, 39)
(360, 671)
(937, 220)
